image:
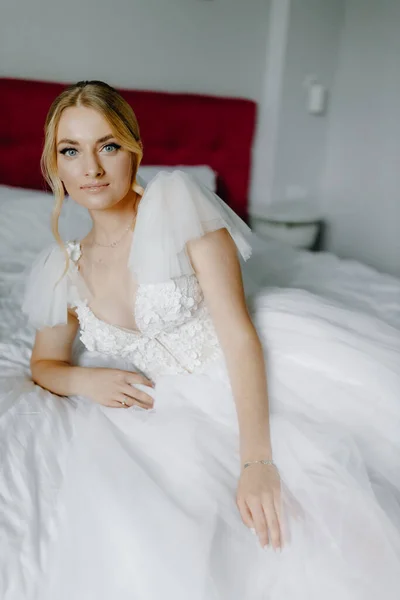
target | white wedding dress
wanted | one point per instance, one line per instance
(137, 504)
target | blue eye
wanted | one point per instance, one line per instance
(112, 146)
(65, 151)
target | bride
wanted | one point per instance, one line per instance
(184, 476)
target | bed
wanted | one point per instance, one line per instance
(335, 295)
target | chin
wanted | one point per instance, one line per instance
(96, 201)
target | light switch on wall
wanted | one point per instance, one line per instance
(317, 96)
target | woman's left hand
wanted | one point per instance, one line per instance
(259, 501)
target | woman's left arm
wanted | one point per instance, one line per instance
(214, 258)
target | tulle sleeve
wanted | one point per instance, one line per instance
(48, 291)
(174, 209)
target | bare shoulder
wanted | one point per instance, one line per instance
(215, 260)
(215, 247)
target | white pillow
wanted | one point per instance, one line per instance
(25, 220)
(202, 173)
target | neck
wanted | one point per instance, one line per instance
(111, 222)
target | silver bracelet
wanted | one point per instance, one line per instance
(264, 462)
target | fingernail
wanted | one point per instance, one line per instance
(253, 531)
(266, 547)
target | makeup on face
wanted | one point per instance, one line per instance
(94, 168)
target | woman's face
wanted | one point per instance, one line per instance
(88, 154)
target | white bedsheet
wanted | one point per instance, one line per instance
(346, 282)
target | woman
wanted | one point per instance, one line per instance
(174, 458)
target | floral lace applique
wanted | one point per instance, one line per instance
(74, 251)
(175, 331)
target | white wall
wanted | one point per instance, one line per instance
(362, 183)
(178, 45)
(303, 41)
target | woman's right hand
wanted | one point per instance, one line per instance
(112, 387)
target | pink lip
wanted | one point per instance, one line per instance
(96, 185)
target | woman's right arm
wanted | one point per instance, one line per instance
(51, 369)
(50, 360)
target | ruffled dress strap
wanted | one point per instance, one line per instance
(174, 209)
(50, 289)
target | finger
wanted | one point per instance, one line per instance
(279, 514)
(259, 520)
(137, 395)
(115, 404)
(133, 378)
(245, 514)
(123, 399)
(272, 523)
(130, 401)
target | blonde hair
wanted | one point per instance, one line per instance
(119, 114)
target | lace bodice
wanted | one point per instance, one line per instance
(175, 331)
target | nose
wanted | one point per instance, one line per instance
(93, 167)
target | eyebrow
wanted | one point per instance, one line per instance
(75, 143)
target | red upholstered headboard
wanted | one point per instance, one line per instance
(176, 129)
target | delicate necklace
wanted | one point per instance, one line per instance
(116, 242)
